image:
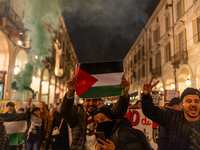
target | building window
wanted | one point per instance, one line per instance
(149, 43)
(138, 74)
(131, 64)
(157, 19)
(196, 29)
(135, 59)
(150, 64)
(143, 70)
(167, 52)
(131, 80)
(180, 9)
(158, 60)
(180, 42)
(142, 50)
(156, 34)
(138, 55)
(167, 22)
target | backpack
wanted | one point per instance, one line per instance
(140, 136)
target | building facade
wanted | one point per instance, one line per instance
(167, 48)
(49, 83)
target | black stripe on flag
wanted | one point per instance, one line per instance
(102, 67)
(13, 117)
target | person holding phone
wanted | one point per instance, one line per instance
(82, 125)
(118, 132)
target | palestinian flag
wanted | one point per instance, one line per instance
(100, 79)
(15, 127)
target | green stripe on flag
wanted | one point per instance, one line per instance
(15, 139)
(103, 91)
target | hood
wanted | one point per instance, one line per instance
(121, 122)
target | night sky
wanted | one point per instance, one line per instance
(105, 30)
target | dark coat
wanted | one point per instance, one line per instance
(174, 122)
(3, 136)
(40, 130)
(62, 140)
(124, 137)
(78, 121)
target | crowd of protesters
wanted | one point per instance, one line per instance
(48, 129)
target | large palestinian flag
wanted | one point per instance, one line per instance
(15, 127)
(100, 79)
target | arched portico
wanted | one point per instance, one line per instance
(4, 63)
(184, 78)
(45, 86)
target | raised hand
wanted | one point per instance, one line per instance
(147, 87)
(71, 83)
(125, 84)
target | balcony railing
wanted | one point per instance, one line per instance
(179, 58)
(156, 72)
(7, 11)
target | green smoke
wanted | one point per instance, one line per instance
(40, 19)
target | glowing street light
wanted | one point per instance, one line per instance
(16, 70)
(172, 86)
(188, 82)
(19, 43)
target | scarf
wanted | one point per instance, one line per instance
(90, 124)
(35, 121)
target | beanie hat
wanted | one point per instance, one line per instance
(174, 101)
(11, 104)
(190, 91)
(104, 110)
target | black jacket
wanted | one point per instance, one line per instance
(3, 136)
(125, 137)
(64, 127)
(177, 128)
(40, 131)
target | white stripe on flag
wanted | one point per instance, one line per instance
(15, 126)
(108, 79)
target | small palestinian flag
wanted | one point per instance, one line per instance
(100, 79)
(16, 125)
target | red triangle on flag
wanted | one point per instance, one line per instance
(84, 81)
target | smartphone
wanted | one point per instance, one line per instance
(100, 135)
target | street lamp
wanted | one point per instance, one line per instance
(188, 82)
(173, 86)
(162, 89)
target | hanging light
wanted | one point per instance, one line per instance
(16, 70)
(33, 78)
(20, 43)
(21, 39)
(188, 82)
(162, 89)
(172, 86)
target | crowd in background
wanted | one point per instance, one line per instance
(48, 128)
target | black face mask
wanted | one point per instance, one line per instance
(105, 127)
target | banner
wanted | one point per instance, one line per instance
(141, 122)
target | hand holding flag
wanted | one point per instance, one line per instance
(71, 83)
